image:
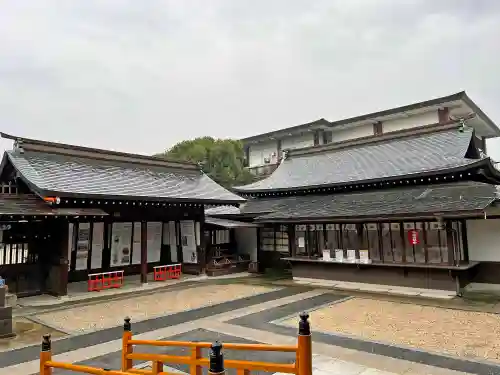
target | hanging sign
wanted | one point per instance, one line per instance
(413, 237)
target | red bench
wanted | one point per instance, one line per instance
(168, 272)
(105, 280)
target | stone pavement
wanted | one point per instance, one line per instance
(252, 319)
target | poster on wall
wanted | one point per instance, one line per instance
(82, 246)
(173, 242)
(197, 227)
(97, 246)
(188, 242)
(136, 246)
(121, 234)
(154, 241)
(71, 241)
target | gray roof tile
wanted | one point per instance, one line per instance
(445, 198)
(393, 158)
(71, 175)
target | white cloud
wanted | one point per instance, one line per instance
(140, 76)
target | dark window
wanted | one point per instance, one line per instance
(267, 239)
(274, 239)
(370, 241)
(316, 138)
(377, 128)
(327, 137)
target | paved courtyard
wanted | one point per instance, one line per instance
(468, 334)
(239, 312)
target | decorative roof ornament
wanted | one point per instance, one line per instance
(461, 120)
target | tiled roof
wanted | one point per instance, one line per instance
(57, 174)
(411, 155)
(30, 205)
(432, 199)
(222, 210)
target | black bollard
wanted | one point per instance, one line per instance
(304, 326)
(127, 327)
(46, 343)
(216, 358)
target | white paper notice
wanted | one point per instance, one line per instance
(326, 255)
(136, 246)
(188, 242)
(120, 244)
(97, 246)
(302, 242)
(82, 246)
(154, 241)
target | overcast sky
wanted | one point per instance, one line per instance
(139, 76)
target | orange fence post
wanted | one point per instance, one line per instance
(126, 347)
(157, 367)
(304, 350)
(216, 360)
(195, 369)
(45, 356)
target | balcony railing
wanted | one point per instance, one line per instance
(263, 170)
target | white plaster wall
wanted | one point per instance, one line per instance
(483, 238)
(305, 140)
(246, 240)
(258, 152)
(414, 121)
(352, 133)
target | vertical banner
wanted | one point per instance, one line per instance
(173, 242)
(71, 241)
(82, 246)
(154, 241)
(136, 246)
(188, 242)
(97, 246)
(197, 233)
(120, 244)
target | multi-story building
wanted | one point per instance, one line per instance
(264, 151)
(403, 197)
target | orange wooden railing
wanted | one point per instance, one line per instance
(215, 362)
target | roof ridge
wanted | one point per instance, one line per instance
(374, 140)
(47, 147)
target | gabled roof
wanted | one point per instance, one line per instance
(405, 155)
(445, 199)
(403, 111)
(53, 170)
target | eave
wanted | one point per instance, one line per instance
(411, 216)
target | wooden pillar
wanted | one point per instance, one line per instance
(64, 261)
(292, 245)
(144, 252)
(450, 243)
(465, 241)
(202, 248)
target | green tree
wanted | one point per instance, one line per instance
(221, 159)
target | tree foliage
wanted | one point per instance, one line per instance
(221, 159)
